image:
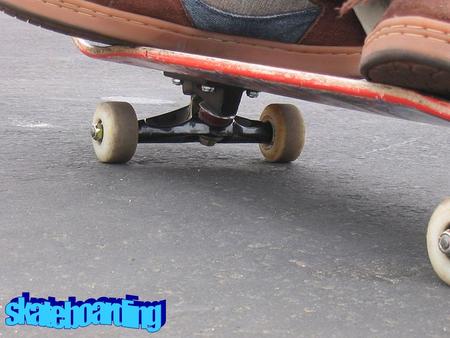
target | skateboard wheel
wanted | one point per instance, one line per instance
(115, 132)
(288, 133)
(439, 223)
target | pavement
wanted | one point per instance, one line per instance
(330, 245)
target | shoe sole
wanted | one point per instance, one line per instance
(99, 23)
(412, 52)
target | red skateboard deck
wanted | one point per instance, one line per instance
(334, 91)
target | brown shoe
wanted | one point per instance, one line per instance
(299, 34)
(410, 47)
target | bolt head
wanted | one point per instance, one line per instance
(177, 82)
(252, 94)
(208, 89)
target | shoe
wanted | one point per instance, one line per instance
(305, 35)
(410, 47)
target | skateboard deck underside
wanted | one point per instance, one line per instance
(352, 94)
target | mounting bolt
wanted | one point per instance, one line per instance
(252, 94)
(97, 132)
(208, 89)
(444, 242)
(177, 82)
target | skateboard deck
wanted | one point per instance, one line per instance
(352, 94)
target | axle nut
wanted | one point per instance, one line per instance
(444, 242)
(97, 132)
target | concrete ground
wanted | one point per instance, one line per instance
(331, 245)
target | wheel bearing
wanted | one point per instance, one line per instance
(97, 132)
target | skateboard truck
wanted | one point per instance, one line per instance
(160, 129)
(210, 118)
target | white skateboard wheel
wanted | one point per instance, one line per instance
(439, 223)
(115, 132)
(288, 133)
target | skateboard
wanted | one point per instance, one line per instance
(216, 87)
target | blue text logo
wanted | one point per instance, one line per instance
(128, 312)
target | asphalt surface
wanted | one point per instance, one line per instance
(331, 245)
